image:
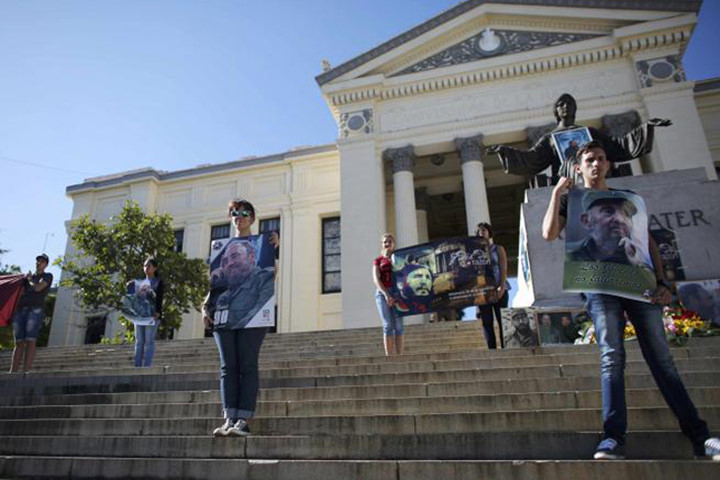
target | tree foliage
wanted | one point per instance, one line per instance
(109, 255)
(8, 269)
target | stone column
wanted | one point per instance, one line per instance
(470, 150)
(422, 203)
(403, 162)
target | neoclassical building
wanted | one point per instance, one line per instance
(414, 116)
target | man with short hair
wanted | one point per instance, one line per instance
(607, 312)
(30, 313)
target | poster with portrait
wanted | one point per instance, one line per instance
(568, 142)
(138, 303)
(701, 297)
(606, 244)
(445, 274)
(520, 327)
(559, 326)
(242, 282)
(669, 253)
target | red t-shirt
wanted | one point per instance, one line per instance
(385, 266)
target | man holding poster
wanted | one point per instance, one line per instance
(239, 308)
(603, 264)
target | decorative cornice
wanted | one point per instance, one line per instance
(516, 70)
(707, 85)
(452, 13)
(470, 149)
(403, 158)
(159, 176)
(492, 43)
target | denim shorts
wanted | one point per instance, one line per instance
(27, 322)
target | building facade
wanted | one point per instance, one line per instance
(414, 118)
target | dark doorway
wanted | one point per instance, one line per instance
(95, 329)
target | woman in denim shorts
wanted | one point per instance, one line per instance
(382, 277)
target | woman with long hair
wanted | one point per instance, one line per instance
(382, 278)
(239, 347)
(151, 291)
(499, 266)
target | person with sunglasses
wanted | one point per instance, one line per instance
(238, 347)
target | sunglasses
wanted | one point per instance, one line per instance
(240, 213)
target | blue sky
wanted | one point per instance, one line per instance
(93, 87)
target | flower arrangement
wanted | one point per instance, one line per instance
(681, 324)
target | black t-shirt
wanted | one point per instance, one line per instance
(34, 299)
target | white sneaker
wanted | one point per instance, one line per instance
(712, 448)
(222, 430)
(239, 429)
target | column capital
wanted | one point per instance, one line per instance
(621, 124)
(470, 149)
(403, 158)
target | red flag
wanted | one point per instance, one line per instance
(10, 288)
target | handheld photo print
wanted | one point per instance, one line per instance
(242, 282)
(520, 327)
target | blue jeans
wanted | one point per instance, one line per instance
(239, 377)
(145, 344)
(607, 312)
(392, 324)
(27, 322)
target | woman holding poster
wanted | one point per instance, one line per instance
(143, 305)
(382, 277)
(239, 308)
(499, 269)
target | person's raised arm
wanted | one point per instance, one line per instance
(553, 223)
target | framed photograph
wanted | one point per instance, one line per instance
(559, 326)
(701, 297)
(520, 327)
(568, 142)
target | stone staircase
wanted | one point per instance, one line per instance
(332, 406)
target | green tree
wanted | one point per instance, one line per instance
(109, 255)
(8, 269)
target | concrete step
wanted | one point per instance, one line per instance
(308, 388)
(402, 405)
(260, 469)
(453, 446)
(645, 418)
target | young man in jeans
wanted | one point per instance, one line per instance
(608, 314)
(29, 315)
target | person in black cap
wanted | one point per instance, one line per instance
(29, 314)
(608, 313)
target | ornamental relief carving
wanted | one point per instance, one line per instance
(660, 70)
(492, 43)
(356, 123)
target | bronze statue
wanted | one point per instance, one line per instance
(543, 155)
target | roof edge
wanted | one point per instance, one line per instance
(692, 6)
(151, 173)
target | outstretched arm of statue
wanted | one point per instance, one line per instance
(528, 163)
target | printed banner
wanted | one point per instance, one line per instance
(560, 326)
(242, 282)
(445, 274)
(139, 302)
(606, 247)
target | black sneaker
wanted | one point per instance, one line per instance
(712, 448)
(609, 449)
(240, 429)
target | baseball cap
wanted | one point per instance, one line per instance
(593, 197)
(43, 256)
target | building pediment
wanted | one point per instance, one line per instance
(478, 30)
(494, 43)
